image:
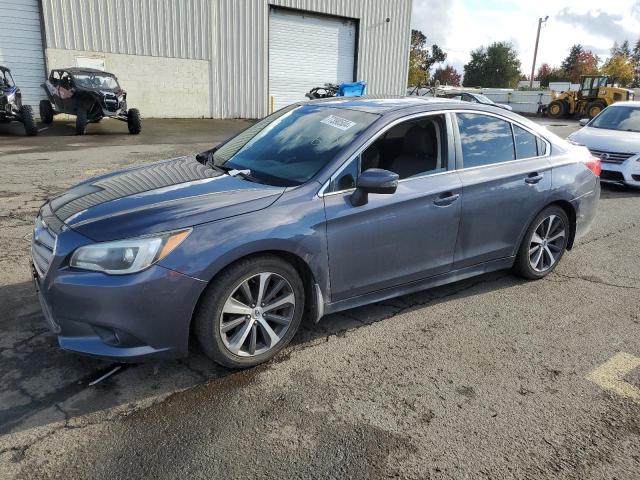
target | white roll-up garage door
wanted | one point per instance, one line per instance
(306, 51)
(21, 47)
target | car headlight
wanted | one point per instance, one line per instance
(121, 257)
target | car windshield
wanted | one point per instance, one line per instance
(482, 98)
(290, 146)
(95, 80)
(618, 118)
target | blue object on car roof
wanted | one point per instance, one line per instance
(352, 89)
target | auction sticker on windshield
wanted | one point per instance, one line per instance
(338, 122)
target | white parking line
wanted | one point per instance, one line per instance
(610, 375)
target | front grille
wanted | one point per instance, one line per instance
(611, 176)
(611, 157)
(111, 102)
(43, 245)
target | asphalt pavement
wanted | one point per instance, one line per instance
(493, 377)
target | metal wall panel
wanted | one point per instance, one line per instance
(160, 28)
(240, 64)
(21, 47)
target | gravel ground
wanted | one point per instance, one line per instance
(485, 378)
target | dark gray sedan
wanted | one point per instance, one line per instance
(317, 208)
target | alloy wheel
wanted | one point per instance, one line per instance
(547, 243)
(257, 314)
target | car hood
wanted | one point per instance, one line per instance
(608, 140)
(158, 197)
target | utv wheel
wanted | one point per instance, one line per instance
(543, 245)
(250, 312)
(595, 108)
(26, 113)
(133, 121)
(46, 112)
(81, 122)
(557, 109)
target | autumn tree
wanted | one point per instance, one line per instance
(494, 66)
(421, 59)
(447, 76)
(620, 68)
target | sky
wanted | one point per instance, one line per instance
(459, 26)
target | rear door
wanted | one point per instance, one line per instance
(506, 180)
(397, 238)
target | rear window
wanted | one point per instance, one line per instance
(485, 139)
(290, 146)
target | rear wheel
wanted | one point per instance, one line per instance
(134, 122)
(595, 108)
(250, 312)
(557, 109)
(543, 245)
(81, 121)
(26, 113)
(46, 112)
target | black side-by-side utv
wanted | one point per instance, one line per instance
(88, 94)
(11, 107)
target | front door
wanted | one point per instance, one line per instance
(401, 237)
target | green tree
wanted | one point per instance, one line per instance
(447, 76)
(625, 49)
(581, 62)
(421, 59)
(569, 62)
(494, 66)
(620, 68)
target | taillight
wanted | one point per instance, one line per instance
(593, 164)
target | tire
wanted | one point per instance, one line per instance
(81, 121)
(46, 112)
(557, 109)
(232, 349)
(26, 114)
(528, 264)
(134, 122)
(595, 108)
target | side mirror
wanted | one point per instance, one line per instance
(374, 180)
(583, 121)
(206, 157)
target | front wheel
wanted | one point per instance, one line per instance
(543, 245)
(26, 114)
(81, 121)
(557, 109)
(595, 108)
(134, 122)
(250, 312)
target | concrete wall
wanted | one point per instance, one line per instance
(158, 86)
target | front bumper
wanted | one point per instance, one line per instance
(627, 173)
(125, 318)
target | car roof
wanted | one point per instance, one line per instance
(626, 103)
(83, 70)
(380, 104)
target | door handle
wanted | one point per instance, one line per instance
(533, 178)
(446, 199)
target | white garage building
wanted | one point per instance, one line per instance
(211, 58)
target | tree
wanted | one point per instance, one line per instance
(494, 66)
(569, 62)
(615, 49)
(421, 59)
(620, 68)
(635, 58)
(543, 74)
(625, 50)
(447, 76)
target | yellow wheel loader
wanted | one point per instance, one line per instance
(596, 93)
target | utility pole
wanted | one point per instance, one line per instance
(535, 51)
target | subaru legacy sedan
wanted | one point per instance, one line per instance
(317, 208)
(614, 137)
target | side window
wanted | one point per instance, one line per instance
(346, 179)
(542, 146)
(525, 143)
(485, 139)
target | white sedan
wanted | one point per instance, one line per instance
(614, 137)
